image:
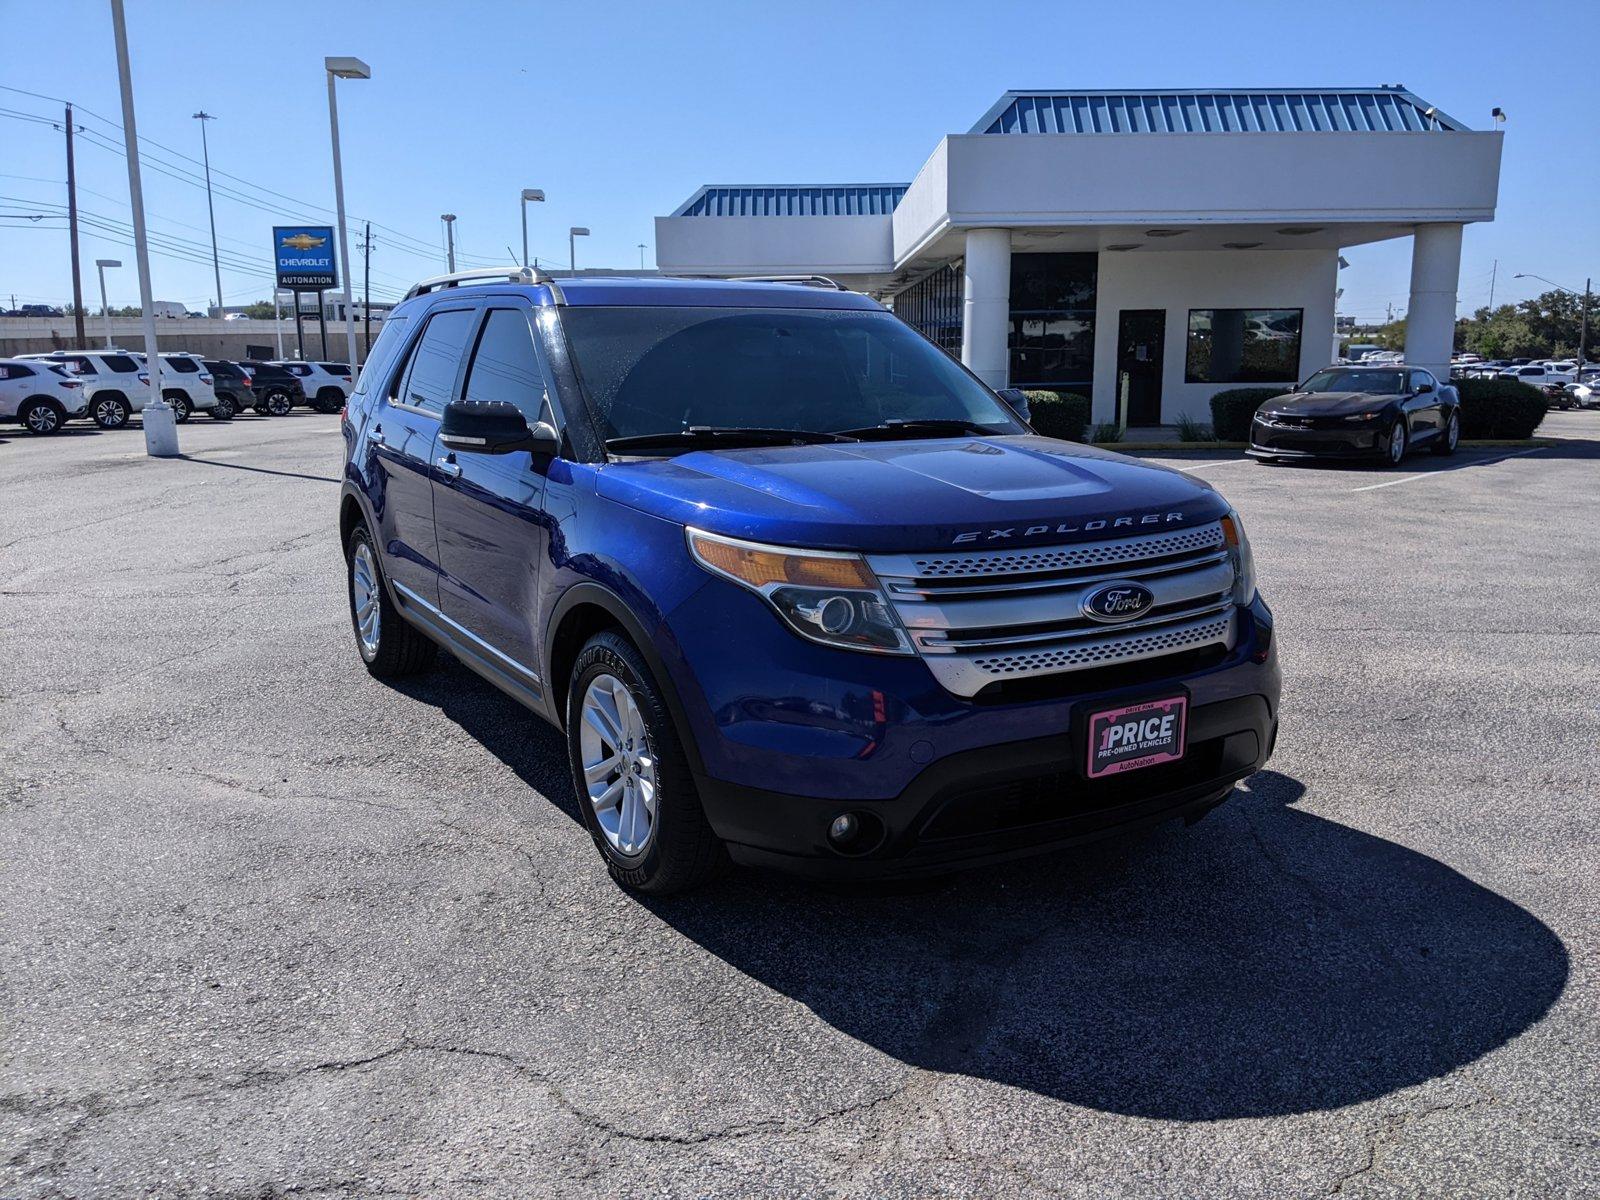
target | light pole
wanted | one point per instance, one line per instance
(343, 67)
(641, 256)
(202, 116)
(449, 220)
(100, 265)
(1583, 328)
(160, 426)
(573, 234)
(536, 195)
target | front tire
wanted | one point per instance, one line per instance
(42, 417)
(1395, 443)
(1446, 442)
(111, 412)
(330, 400)
(631, 776)
(390, 646)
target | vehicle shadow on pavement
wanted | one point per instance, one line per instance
(1263, 962)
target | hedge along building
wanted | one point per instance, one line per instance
(1147, 249)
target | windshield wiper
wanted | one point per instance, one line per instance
(915, 426)
(724, 434)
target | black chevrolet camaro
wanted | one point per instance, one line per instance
(1376, 413)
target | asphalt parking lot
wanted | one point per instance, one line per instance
(272, 928)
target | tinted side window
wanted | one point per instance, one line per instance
(17, 371)
(437, 358)
(184, 366)
(120, 363)
(381, 357)
(80, 364)
(505, 366)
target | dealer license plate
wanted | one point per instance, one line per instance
(1137, 735)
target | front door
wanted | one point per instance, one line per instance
(493, 529)
(1141, 333)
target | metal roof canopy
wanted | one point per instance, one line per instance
(1386, 109)
(793, 200)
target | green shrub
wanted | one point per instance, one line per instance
(1190, 430)
(1059, 414)
(1232, 408)
(1500, 408)
(1106, 432)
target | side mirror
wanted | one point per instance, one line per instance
(1017, 400)
(494, 427)
(1424, 387)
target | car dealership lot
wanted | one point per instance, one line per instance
(272, 927)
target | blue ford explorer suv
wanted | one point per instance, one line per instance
(800, 590)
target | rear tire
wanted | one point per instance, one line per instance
(111, 412)
(329, 400)
(279, 402)
(616, 715)
(1446, 442)
(42, 417)
(181, 408)
(388, 644)
(224, 409)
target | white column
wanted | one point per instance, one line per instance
(986, 305)
(1431, 312)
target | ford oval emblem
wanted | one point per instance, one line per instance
(1121, 601)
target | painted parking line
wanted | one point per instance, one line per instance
(1481, 462)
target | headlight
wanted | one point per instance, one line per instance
(1244, 564)
(1371, 416)
(822, 595)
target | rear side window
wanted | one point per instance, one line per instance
(121, 364)
(335, 368)
(298, 370)
(437, 358)
(80, 364)
(505, 366)
(18, 371)
(184, 366)
(381, 357)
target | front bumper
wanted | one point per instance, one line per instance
(790, 735)
(1351, 441)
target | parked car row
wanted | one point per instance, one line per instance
(109, 386)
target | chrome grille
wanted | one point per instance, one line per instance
(1010, 614)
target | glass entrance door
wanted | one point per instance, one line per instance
(1141, 333)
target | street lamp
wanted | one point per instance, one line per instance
(573, 234)
(641, 256)
(342, 67)
(160, 425)
(202, 116)
(534, 194)
(100, 265)
(449, 220)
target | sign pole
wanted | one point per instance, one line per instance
(322, 321)
(299, 329)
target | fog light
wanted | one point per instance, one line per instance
(843, 829)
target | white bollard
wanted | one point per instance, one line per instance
(160, 430)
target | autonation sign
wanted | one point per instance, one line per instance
(304, 254)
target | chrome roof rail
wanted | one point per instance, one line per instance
(523, 275)
(816, 281)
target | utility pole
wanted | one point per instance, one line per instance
(1494, 274)
(449, 220)
(1583, 333)
(641, 256)
(72, 225)
(202, 116)
(366, 286)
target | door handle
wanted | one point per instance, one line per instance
(377, 436)
(448, 466)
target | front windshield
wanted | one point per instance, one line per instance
(1380, 383)
(652, 371)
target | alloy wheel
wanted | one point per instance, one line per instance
(42, 418)
(278, 404)
(109, 414)
(619, 768)
(1452, 433)
(364, 599)
(1397, 442)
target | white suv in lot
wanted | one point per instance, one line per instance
(41, 396)
(328, 384)
(117, 384)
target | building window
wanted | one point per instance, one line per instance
(1243, 345)
(932, 306)
(1052, 321)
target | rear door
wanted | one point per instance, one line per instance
(402, 436)
(493, 528)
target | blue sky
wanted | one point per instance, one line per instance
(620, 110)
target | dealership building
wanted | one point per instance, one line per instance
(1146, 249)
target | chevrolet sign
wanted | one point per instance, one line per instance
(304, 257)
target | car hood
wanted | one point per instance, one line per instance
(1327, 404)
(914, 495)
